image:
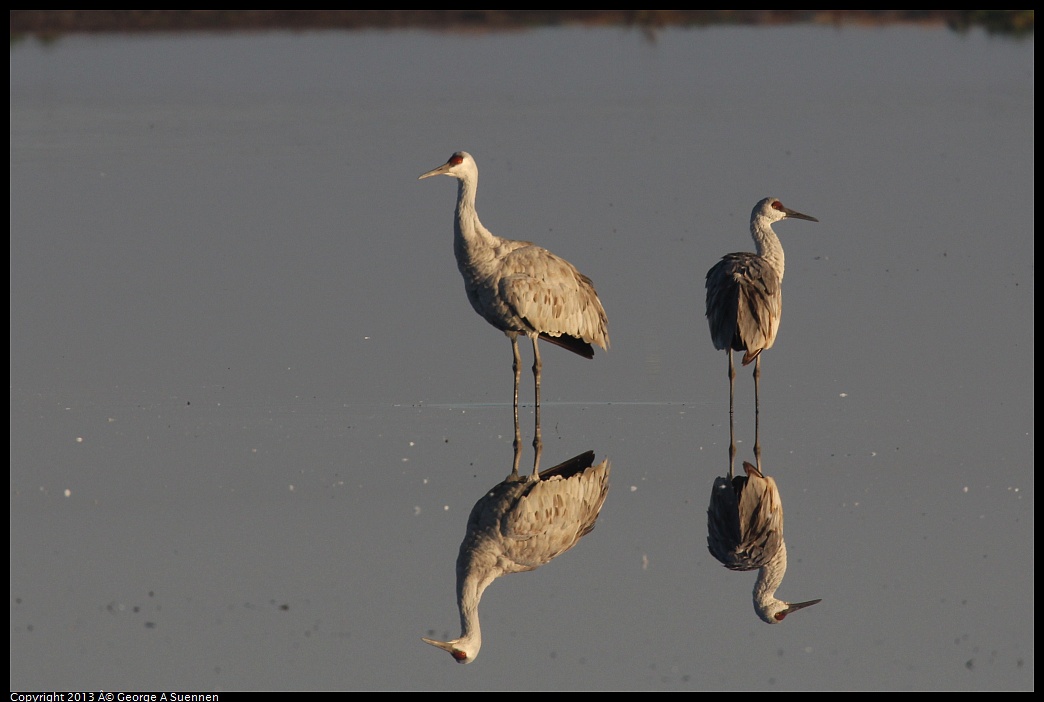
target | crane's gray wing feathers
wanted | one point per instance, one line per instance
(723, 527)
(554, 514)
(550, 296)
(744, 302)
(744, 522)
(761, 521)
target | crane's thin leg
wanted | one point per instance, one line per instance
(517, 367)
(538, 448)
(757, 412)
(732, 430)
(537, 365)
(518, 457)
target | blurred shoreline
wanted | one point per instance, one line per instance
(46, 23)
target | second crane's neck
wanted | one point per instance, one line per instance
(470, 586)
(769, 578)
(470, 238)
(767, 243)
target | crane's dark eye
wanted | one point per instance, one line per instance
(456, 159)
(777, 205)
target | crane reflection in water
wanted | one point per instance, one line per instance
(521, 524)
(745, 532)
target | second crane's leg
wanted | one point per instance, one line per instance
(732, 431)
(518, 456)
(538, 448)
(537, 365)
(757, 412)
(517, 367)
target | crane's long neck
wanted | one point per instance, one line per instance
(472, 242)
(769, 578)
(767, 243)
(470, 587)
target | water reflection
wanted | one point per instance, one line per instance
(745, 532)
(518, 525)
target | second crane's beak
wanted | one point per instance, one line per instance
(433, 172)
(790, 213)
(796, 606)
(448, 646)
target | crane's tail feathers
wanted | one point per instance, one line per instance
(752, 470)
(577, 346)
(750, 356)
(569, 468)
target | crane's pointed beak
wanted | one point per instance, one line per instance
(444, 645)
(796, 215)
(799, 605)
(441, 170)
(450, 648)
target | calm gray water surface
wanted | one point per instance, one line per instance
(251, 407)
